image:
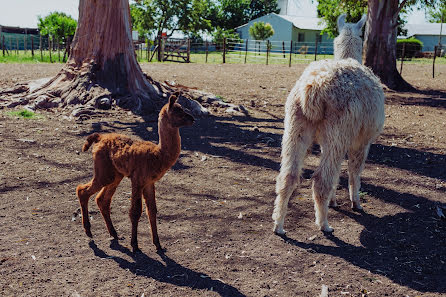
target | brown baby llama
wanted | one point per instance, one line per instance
(144, 162)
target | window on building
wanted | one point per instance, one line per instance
(301, 37)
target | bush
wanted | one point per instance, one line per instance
(412, 47)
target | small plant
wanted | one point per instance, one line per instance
(221, 98)
(362, 194)
(24, 113)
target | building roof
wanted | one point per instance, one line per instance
(306, 23)
(425, 29)
(18, 30)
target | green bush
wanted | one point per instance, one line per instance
(412, 47)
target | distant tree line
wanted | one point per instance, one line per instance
(195, 17)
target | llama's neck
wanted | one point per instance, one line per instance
(347, 45)
(169, 141)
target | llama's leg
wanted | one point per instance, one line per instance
(103, 200)
(103, 175)
(297, 138)
(332, 196)
(356, 160)
(324, 179)
(149, 197)
(135, 213)
(84, 192)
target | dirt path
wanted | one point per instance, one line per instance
(215, 205)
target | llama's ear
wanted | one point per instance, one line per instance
(341, 21)
(361, 22)
(173, 98)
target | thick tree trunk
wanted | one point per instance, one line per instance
(102, 65)
(380, 43)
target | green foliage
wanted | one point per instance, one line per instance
(229, 14)
(435, 14)
(261, 31)
(258, 8)
(412, 46)
(157, 16)
(219, 34)
(58, 25)
(329, 10)
(24, 113)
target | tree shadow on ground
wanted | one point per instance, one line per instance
(209, 136)
(407, 248)
(419, 162)
(421, 98)
(212, 135)
(168, 272)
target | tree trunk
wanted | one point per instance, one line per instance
(380, 43)
(102, 65)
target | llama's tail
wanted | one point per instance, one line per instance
(93, 138)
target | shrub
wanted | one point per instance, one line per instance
(412, 47)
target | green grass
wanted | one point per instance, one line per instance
(27, 57)
(24, 113)
(233, 57)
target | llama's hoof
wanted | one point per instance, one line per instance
(278, 230)
(333, 204)
(327, 229)
(160, 250)
(357, 207)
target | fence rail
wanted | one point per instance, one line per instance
(47, 49)
(38, 45)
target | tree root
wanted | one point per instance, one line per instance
(78, 95)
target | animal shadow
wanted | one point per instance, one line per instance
(167, 271)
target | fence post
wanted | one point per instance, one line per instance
(291, 51)
(32, 46)
(402, 57)
(267, 51)
(283, 49)
(246, 50)
(148, 50)
(188, 50)
(58, 48)
(49, 47)
(3, 45)
(24, 41)
(207, 50)
(433, 64)
(224, 50)
(40, 45)
(315, 49)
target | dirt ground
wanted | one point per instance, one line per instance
(215, 204)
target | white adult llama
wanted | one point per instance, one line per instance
(339, 104)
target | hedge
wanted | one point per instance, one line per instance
(412, 47)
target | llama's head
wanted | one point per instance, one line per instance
(174, 113)
(348, 44)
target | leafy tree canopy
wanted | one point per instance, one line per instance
(261, 31)
(229, 14)
(329, 10)
(58, 25)
(157, 16)
(436, 14)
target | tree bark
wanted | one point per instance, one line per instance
(380, 43)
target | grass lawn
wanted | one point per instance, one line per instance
(232, 57)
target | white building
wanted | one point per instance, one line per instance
(429, 34)
(301, 30)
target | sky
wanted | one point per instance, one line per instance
(24, 13)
